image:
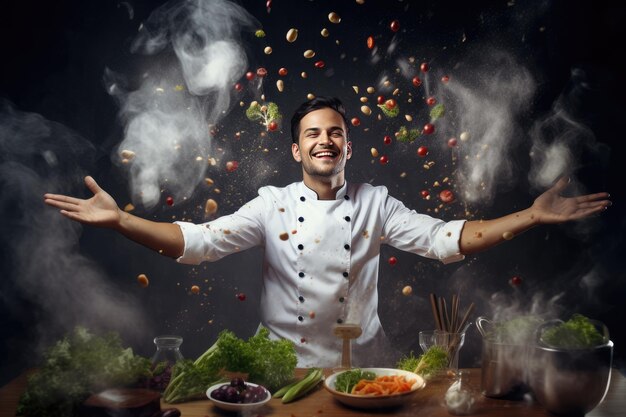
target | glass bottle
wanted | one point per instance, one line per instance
(166, 355)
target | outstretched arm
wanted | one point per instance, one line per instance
(549, 207)
(101, 210)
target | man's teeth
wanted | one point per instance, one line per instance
(321, 154)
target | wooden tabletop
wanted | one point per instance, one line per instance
(428, 402)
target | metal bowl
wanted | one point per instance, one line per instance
(570, 381)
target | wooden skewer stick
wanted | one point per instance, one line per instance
(347, 332)
(433, 305)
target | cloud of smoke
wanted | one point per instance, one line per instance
(44, 272)
(168, 117)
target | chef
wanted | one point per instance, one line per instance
(322, 238)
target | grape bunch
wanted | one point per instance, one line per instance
(239, 392)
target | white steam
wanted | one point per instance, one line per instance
(487, 106)
(168, 117)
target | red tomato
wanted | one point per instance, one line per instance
(320, 64)
(429, 128)
(232, 166)
(417, 81)
(241, 296)
(445, 79)
(387, 140)
(390, 104)
(380, 99)
(370, 42)
(238, 135)
(384, 160)
(424, 67)
(261, 72)
(238, 87)
(422, 151)
(249, 75)
(272, 126)
(515, 281)
(282, 72)
(446, 196)
(424, 193)
(355, 121)
(431, 101)
(393, 260)
(169, 201)
(394, 26)
(452, 142)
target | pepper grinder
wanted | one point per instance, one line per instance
(347, 332)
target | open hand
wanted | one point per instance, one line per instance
(551, 207)
(100, 210)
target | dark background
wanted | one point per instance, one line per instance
(54, 55)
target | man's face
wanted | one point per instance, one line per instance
(322, 148)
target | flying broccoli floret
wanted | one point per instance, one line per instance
(260, 33)
(437, 112)
(265, 114)
(406, 135)
(576, 333)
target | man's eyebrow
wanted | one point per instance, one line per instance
(317, 129)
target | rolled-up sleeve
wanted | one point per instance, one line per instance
(225, 235)
(421, 234)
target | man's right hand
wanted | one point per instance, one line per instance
(100, 210)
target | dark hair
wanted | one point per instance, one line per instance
(312, 105)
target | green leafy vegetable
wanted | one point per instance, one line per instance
(427, 364)
(270, 363)
(437, 112)
(265, 114)
(577, 333)
(406, 135)
(393, 112)
(519, 331)
(77, 366)
(348, 379)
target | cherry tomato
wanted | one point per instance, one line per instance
(387, 140)
(424, 67)
(355, 121)
(392, 260)
(237, 135)
(241, 296)
(394, 26)
(320, 64)
(446, 196)
(384, 160)
(429, 128)
(424, 193)
(169, 201)
(390, 104)
(431, 101)
(380, 99)
(238, 87)
(370, 42)
(422, 151)
(232, 166)
(195, 289)
(515, 281)
(249, 75)
(261, 72)
(282, 72)
(445, 79)
(417, 81)
(272, 126)
(452, 142)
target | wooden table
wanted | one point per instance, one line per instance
(321, 404)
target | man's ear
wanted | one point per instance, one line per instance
(295, 151)
(349, 150)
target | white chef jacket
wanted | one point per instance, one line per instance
(321, 260)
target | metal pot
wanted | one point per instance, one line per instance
(504, 365)
(570, 382)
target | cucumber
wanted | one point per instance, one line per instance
(305, 385)
(283, 390)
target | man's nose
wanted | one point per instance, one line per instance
(324, 137)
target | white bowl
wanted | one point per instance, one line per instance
(378, 401)
(237, 406)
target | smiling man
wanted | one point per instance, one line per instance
(322, 239)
